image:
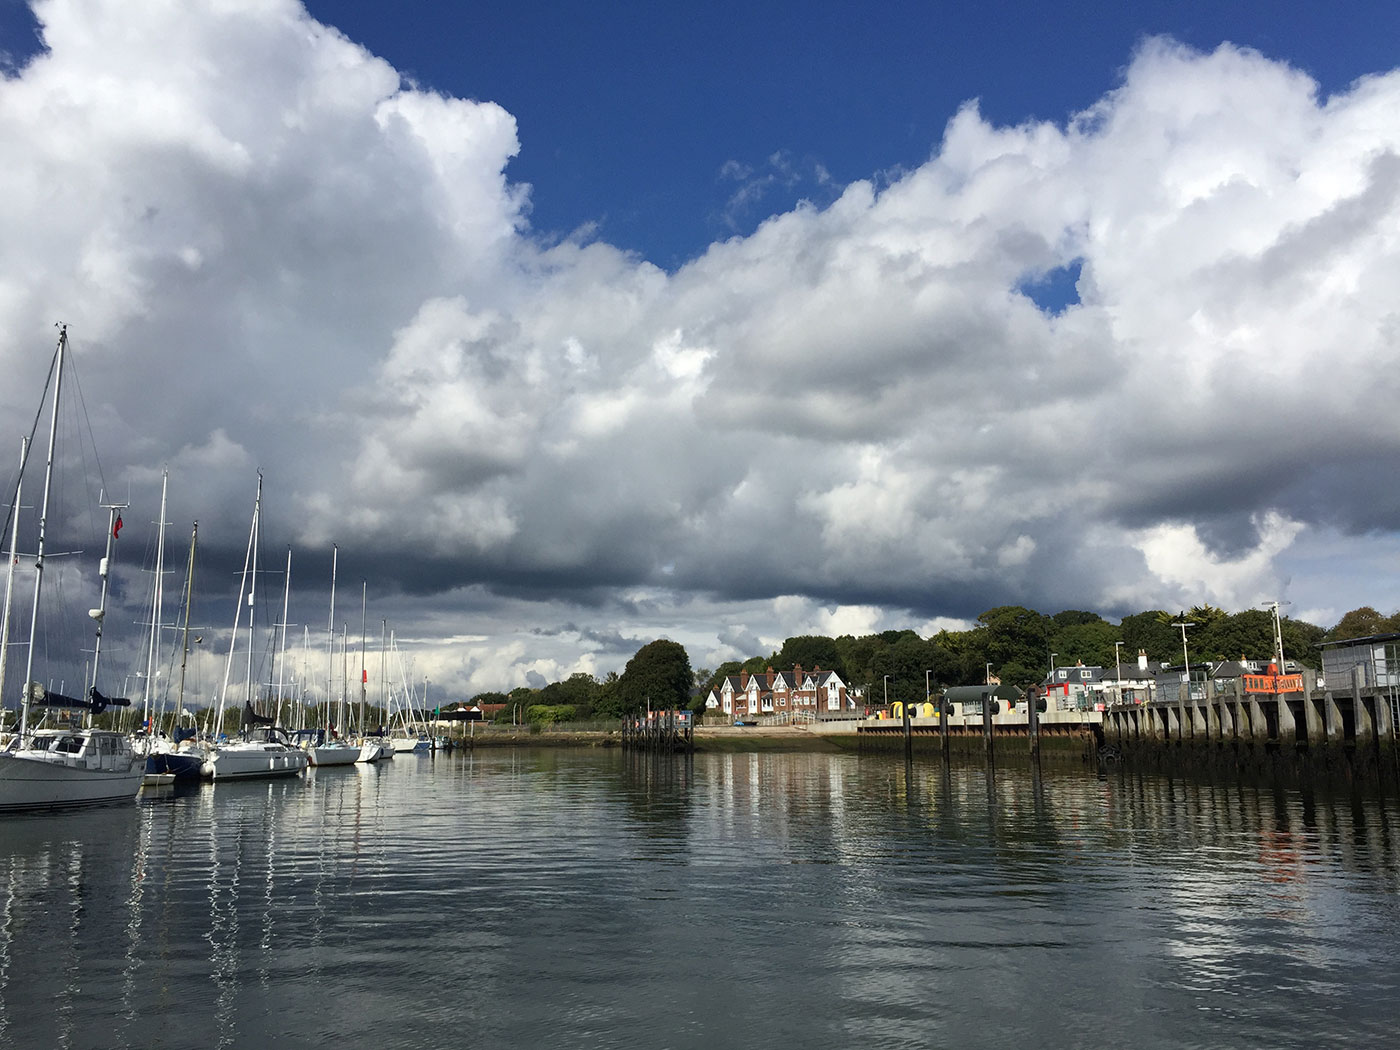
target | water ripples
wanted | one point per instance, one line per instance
(608, 900)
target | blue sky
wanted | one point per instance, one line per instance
(649, 119)
(578, 326)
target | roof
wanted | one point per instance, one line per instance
(1369, 639)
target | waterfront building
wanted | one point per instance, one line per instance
(1371, 661)
(818, 693)
(1093, 688)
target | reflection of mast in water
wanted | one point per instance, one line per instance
(223, 934)
(7, 924)
(135, 956)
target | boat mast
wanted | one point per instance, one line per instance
(330, 648)
(10, 573)
(252, 590)
(238, 615)
(157, 608)
(185, 641)
(345, 668)
(43, 521)
(282, 660)
(99, 614)
(364, 673)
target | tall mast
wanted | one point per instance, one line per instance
(345, 666)
(330, 647)
(43, 521)
(252, 588)
(364, 673)
(10, 572)
(114, 524)
(238, 614)
(282, 659)
(185, 640)
(157, 606)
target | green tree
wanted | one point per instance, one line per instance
(607, 701)
(908, 662)
(1017, 643)
(1152, 632)
(810, 650)
(658, 676)
(1301, 640)
(1089, 642)
(858, 657)
(1246, 635)
(550, 714)
(1359, 623)
(1075, 618)
(723, 671)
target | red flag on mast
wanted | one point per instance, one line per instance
(117, 528)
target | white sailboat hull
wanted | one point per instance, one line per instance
(333, 755)
(248, 761)
(374, 750)
(32, 783)
(407, 745)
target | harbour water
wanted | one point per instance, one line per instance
(593, 898)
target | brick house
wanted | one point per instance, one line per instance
(746, 696)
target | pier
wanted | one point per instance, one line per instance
(1268, 720)
(668, 732)
(987, 720)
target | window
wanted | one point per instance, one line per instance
(1086, 674)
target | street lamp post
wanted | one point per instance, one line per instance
(928, 689)
(1118, 669)
(886, 683)
(1185, 659)
(989, 674)
(1278, 634)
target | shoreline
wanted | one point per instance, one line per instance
(718, 739)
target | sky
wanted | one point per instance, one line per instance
(579, 326)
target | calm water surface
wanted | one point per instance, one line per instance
(597, 899)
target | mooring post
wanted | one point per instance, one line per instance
(943, 723)
(1033, 722)
(908, 734)
(987, 722)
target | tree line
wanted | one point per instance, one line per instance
(1012, 643)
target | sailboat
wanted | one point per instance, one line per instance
(409, 740)
(60, 767)
(334, 751)
(264, 749)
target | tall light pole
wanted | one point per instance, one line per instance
(1183, 624)
(989, 674)
(928, 689)
(886, 683)
(1118, 669)
(1278, 633)
(1052, 664)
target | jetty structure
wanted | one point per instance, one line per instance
(984, 718)
(1345, 716)
(1343, 719)
(661, 731)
